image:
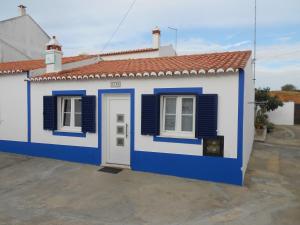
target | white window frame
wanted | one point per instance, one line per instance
(177, 133)
(60, 116)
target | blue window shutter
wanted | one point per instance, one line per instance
(150, 114)
(207, 115)
(50, 113)
(88, 114)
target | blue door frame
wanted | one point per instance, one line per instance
(131, 92)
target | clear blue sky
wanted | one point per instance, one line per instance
(204, 26)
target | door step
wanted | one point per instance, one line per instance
(113, 165)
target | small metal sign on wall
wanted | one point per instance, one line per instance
(115, 84)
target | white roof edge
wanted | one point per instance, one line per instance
(138, 74)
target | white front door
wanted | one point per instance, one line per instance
(117, 129)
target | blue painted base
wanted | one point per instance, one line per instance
(216, 169)
(63, 152)
(224, 170)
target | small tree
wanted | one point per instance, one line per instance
(288, 87)
(266, 103)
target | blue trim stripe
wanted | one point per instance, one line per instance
(184, 90)
(69, 134)
(69, 93)
(178, 140)
(86, 155)
(241, 120)
(132, 117)
(28, 110)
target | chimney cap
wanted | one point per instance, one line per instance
(22, 6)
(156, 30)
(53, 41)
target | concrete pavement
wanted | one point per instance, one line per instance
(50, 192)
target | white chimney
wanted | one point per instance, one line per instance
(22, 10)
(156, 37)
(53, 56)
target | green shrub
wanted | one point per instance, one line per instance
(261, 119)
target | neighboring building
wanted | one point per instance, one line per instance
(21, 38)
(186, 116)
(15, 93)
(156, 51)
(289, 113)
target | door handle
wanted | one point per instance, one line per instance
(126, 130)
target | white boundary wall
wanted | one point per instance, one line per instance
(163, 51)
(136, 55)
(226, 86)
(283, 115)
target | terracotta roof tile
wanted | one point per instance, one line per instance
(26, 65)
(286, 96)
(187, 64)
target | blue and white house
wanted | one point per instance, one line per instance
(188, 116)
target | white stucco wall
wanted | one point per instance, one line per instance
(139, 55)
(249, 106)
(283, 115)
(167, 50)
(226, 86)
(21, 38)
(13, 107)
(13, 101)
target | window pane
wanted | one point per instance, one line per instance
(67, 119)
(187, 123)
(77, 120)
(120, 118)
(187, 106)
(120, 130)
(78, 105)
(120, 142)
(170, 122)
(171, 105)
(67, 105)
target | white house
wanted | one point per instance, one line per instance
(21, 38)
(188, 116)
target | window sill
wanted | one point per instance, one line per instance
(69, 134)
(194, 141)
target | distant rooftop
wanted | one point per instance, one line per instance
(287, 96)
(27, 65)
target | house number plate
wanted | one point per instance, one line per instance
(115, 84)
